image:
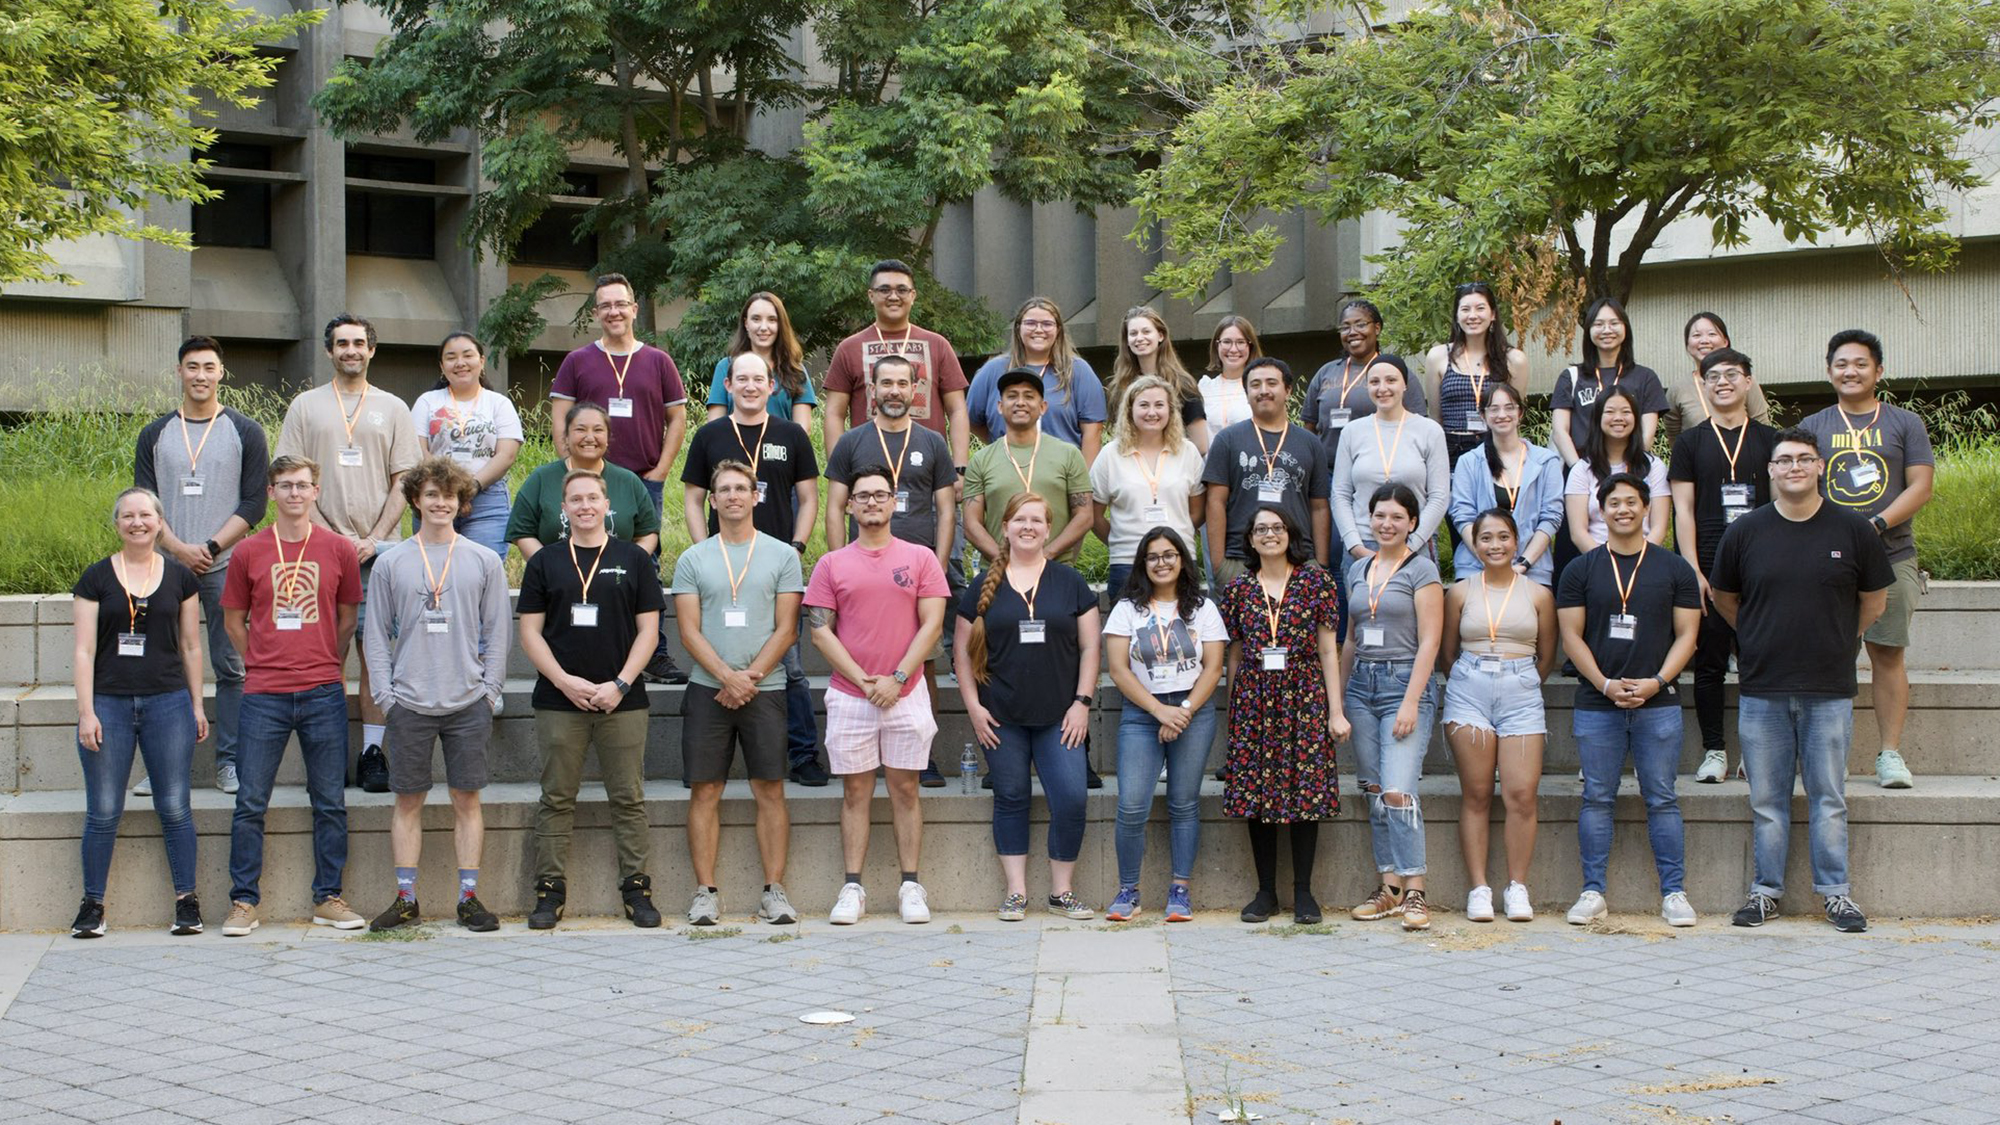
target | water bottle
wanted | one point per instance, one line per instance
(968, 771)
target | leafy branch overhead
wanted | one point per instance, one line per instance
(1551, 143)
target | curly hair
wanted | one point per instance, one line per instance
(448, 475)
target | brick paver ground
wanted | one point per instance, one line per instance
(1496, 1023)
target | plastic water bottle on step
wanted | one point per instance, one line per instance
(968, 771)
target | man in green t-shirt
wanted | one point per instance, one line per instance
(1027, 460)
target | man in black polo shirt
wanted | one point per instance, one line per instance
(1800, 580)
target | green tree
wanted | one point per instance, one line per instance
(99, 104)
(1547, 144)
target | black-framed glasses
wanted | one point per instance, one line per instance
(1802, 461)
(1159, 557)
(873, 496)
(1267, 530)
(892, 290)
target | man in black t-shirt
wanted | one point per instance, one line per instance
(781, 454)
(1628, 612)
(590, 611)
(1800, 580)
(1719, 473)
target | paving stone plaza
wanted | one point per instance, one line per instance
(971, 1021)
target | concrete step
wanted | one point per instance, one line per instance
(1948, 829)
(1952, 717)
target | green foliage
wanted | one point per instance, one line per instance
(1955, 530)
(1509, 137)
(101, 101)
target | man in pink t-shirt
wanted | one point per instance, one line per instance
(877, 608)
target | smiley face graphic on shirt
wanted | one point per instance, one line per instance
(1856, 478)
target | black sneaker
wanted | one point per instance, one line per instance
(473, 915)
(1261, 908)
(371, 772)
(1305, 908)
(811, 774)
(638, 892)
(1760, 907)
(663, 670)
(986, 782)
(931, 778)
(89, 920)
(1845, 916)
(187, 917)
(550, 894)
(1091, 780)
(402, 912)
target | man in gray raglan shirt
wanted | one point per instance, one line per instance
(207, 463)
(436, 649)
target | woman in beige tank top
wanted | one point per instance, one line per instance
(1499, 643)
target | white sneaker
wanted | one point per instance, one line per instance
(1479, 904)
(142, 787)
(910, 901)
(850, 906)
(1714, 767)
(1515, 898)
(1589, 908)
(225, 777)
(1676, 910)
(1890, 771)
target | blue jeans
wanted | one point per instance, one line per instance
(1651, 737)
(1061, 770)
(1140, 753)
(228, 666)
(161, 727)
(1787, 736)
(486, 524)
(1115, 576)
(319, 717)
(1384, 763)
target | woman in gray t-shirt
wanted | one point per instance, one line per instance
(1395, 625)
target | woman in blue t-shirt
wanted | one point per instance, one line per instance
(765, 327)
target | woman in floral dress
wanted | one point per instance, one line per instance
(1284, 707)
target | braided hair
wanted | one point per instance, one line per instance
(975, 641)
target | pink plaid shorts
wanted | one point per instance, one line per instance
(861, 736)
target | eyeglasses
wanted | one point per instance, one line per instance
(892, 290)
(1803, 461)
(1502, 408)
(617, 306)
(294, 486)
(1267, 531)
(1038, 325)
(1723, 375)
(734, 490)
(874, 496)
(1160, 557)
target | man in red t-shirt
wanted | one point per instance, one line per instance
(289, 605)
(938, 392)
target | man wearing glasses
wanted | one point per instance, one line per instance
(1719, 472)
(641, 389)
(1800, 580)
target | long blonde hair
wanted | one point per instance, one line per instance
(1125, 433)
(1171, 369)
(975, 641)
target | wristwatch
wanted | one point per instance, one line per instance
(1083, 699)
(214, 548)
(798, 546)
(623, 687)
(1665, 684)
(1881, 525)
(960, 468)
(900, 676)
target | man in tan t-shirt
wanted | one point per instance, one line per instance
(364, 441)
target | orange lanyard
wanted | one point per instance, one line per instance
(1852, 432)
(437, 580)
(291, 577)
(1222, 400)
(1389, 453)
(1026, 477)
(1152, 476)
(1617, 373)
(1346, 384)
(1028, 596)
(1625, 587)
(194, 451)
(349, 421)
(1375, 592)
(1700, 392)
(735, 579)
(458, 416)
(1271, 455)
(618, 372)
(896, 465)
(761, 428)
(1731, 454)
(1520, 469)
(1271, 608)
(585, 595)
(1164, 641)
(1486, 604)
(131, 606)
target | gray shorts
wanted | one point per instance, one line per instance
(1892, 629)
(409, 737)
(711, 733)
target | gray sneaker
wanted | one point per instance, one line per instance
(703, 910)
(775, 908)
(1675, 910)
(142, 787)
(225, 777)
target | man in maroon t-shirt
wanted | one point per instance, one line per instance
(939, 384)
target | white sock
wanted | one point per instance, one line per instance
(371, 734)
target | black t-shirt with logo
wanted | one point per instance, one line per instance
(624, 587)
(783, 456)
(1800, 582)
(1663, 583)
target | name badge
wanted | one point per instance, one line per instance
(1270, 493)
(735, 617)
(1274, 659)
(350, 457)
(1336, 419)
(762, 488)
(902, 501)
(289, 620)
(1624, 626)
(1372, 636)
(1154, 513)
(1863, 473)
(619, 408)
(1162, 674)
(1490, 665)
(583, 615)
(1737, 495)
(436, 621)
(1475, 422)
(131, 644)
(1034, 632)
(190, 486)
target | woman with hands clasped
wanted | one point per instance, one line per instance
(1025, 652)
(138, 687)
(1163, 644)
(1285, 710)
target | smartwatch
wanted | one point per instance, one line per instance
(623, 687)
(214, 548)
(798, 546)
(1881, 525)
(1083, 699)
(900, 676)
(1665, 684)
(960, 468)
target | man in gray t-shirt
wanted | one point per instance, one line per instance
(207, 464)
(1264, 460)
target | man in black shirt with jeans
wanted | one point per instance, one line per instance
(1801, 580)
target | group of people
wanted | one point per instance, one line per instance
(1301, 560)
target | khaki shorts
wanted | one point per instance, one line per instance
(1892, 629)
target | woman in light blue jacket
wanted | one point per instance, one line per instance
(1509, 472)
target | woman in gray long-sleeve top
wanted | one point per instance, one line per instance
(1391, 444)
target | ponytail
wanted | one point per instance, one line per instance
(975, 641)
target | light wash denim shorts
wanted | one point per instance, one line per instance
(1507, 702)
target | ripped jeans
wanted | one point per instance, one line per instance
(1384, 763)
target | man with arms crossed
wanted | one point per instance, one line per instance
(436, 651)
(1878, 466)
(877, 609)
(736, 599)
(1800, 580)
(290, 605)
(207, 462)
(364, 441)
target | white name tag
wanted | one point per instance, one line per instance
(1034, 632)
(763, 487)
(902, 501)
(1270, 493)
(1737, 495)
(583, 615)
(1372, 636)
(1863, 473)
(1624, 626)
(131, 644)
(1475, 422)
(289, 620)
(1274, 659)
(436, 621)
(350, 457)
(735, 617)
(1490, 665)
(1337, 419)
(619, 408)
(1162, 674)
(1154, 513)
(190, 486)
